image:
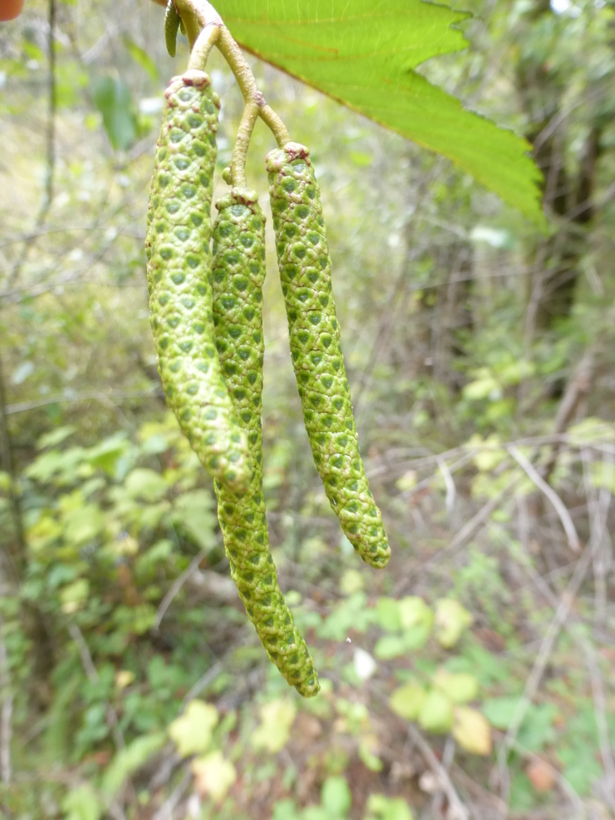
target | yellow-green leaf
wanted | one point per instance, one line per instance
(276, 719)
(451, 620)
(192, 731)
(213, 775)
(436, 713)
(471, 730)
(407, 701)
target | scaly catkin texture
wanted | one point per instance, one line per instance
(178, 270)
(237, 279)
(315, 343)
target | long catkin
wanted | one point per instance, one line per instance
(178, 270)
(238, 275)
(315, 343)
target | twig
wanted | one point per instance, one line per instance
(18, 557)
(6, 713)
(564, 516)
(461, 812)
(448, 755)
(600, 709)
(176, 586)
(165, 812)
(50, 144)
(92, 674)
(542, 658)
(450, 485)
(471, 526)
(103, 398)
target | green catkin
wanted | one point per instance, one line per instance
(315, 343)
(172, 22)
(238, 274)
(178, 256)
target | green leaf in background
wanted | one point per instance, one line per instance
(145, 483)
(364, 53)
(112, 98)
(407, 701)
(194, 511)
(81, 803)
(128, 760)
(336, 797)
(388, 808)
(460, 687)
(451, 621)
(436, 713)
(141, 58)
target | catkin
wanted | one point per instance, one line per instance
(238, 274)
(178, 270)
(315, 343)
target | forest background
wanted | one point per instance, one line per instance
(473, 677)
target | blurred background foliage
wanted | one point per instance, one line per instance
(473, 678)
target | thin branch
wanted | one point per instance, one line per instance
(560, 508)
(446, 784)
(92, 674)
(6, 712)
(544, 653)
(50, 144)
(17, 558)
(176, 587)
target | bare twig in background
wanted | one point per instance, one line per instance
(449, 483)
(50, 145)
(177, 585)
(577, 389)
(6, 711)
(92, 673)
(108, 399)
(560, 508)
(461, 812)
(542, 659)
(8, 465)
(165, 812)
(470, 528)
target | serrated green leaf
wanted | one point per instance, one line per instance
(364, 53)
